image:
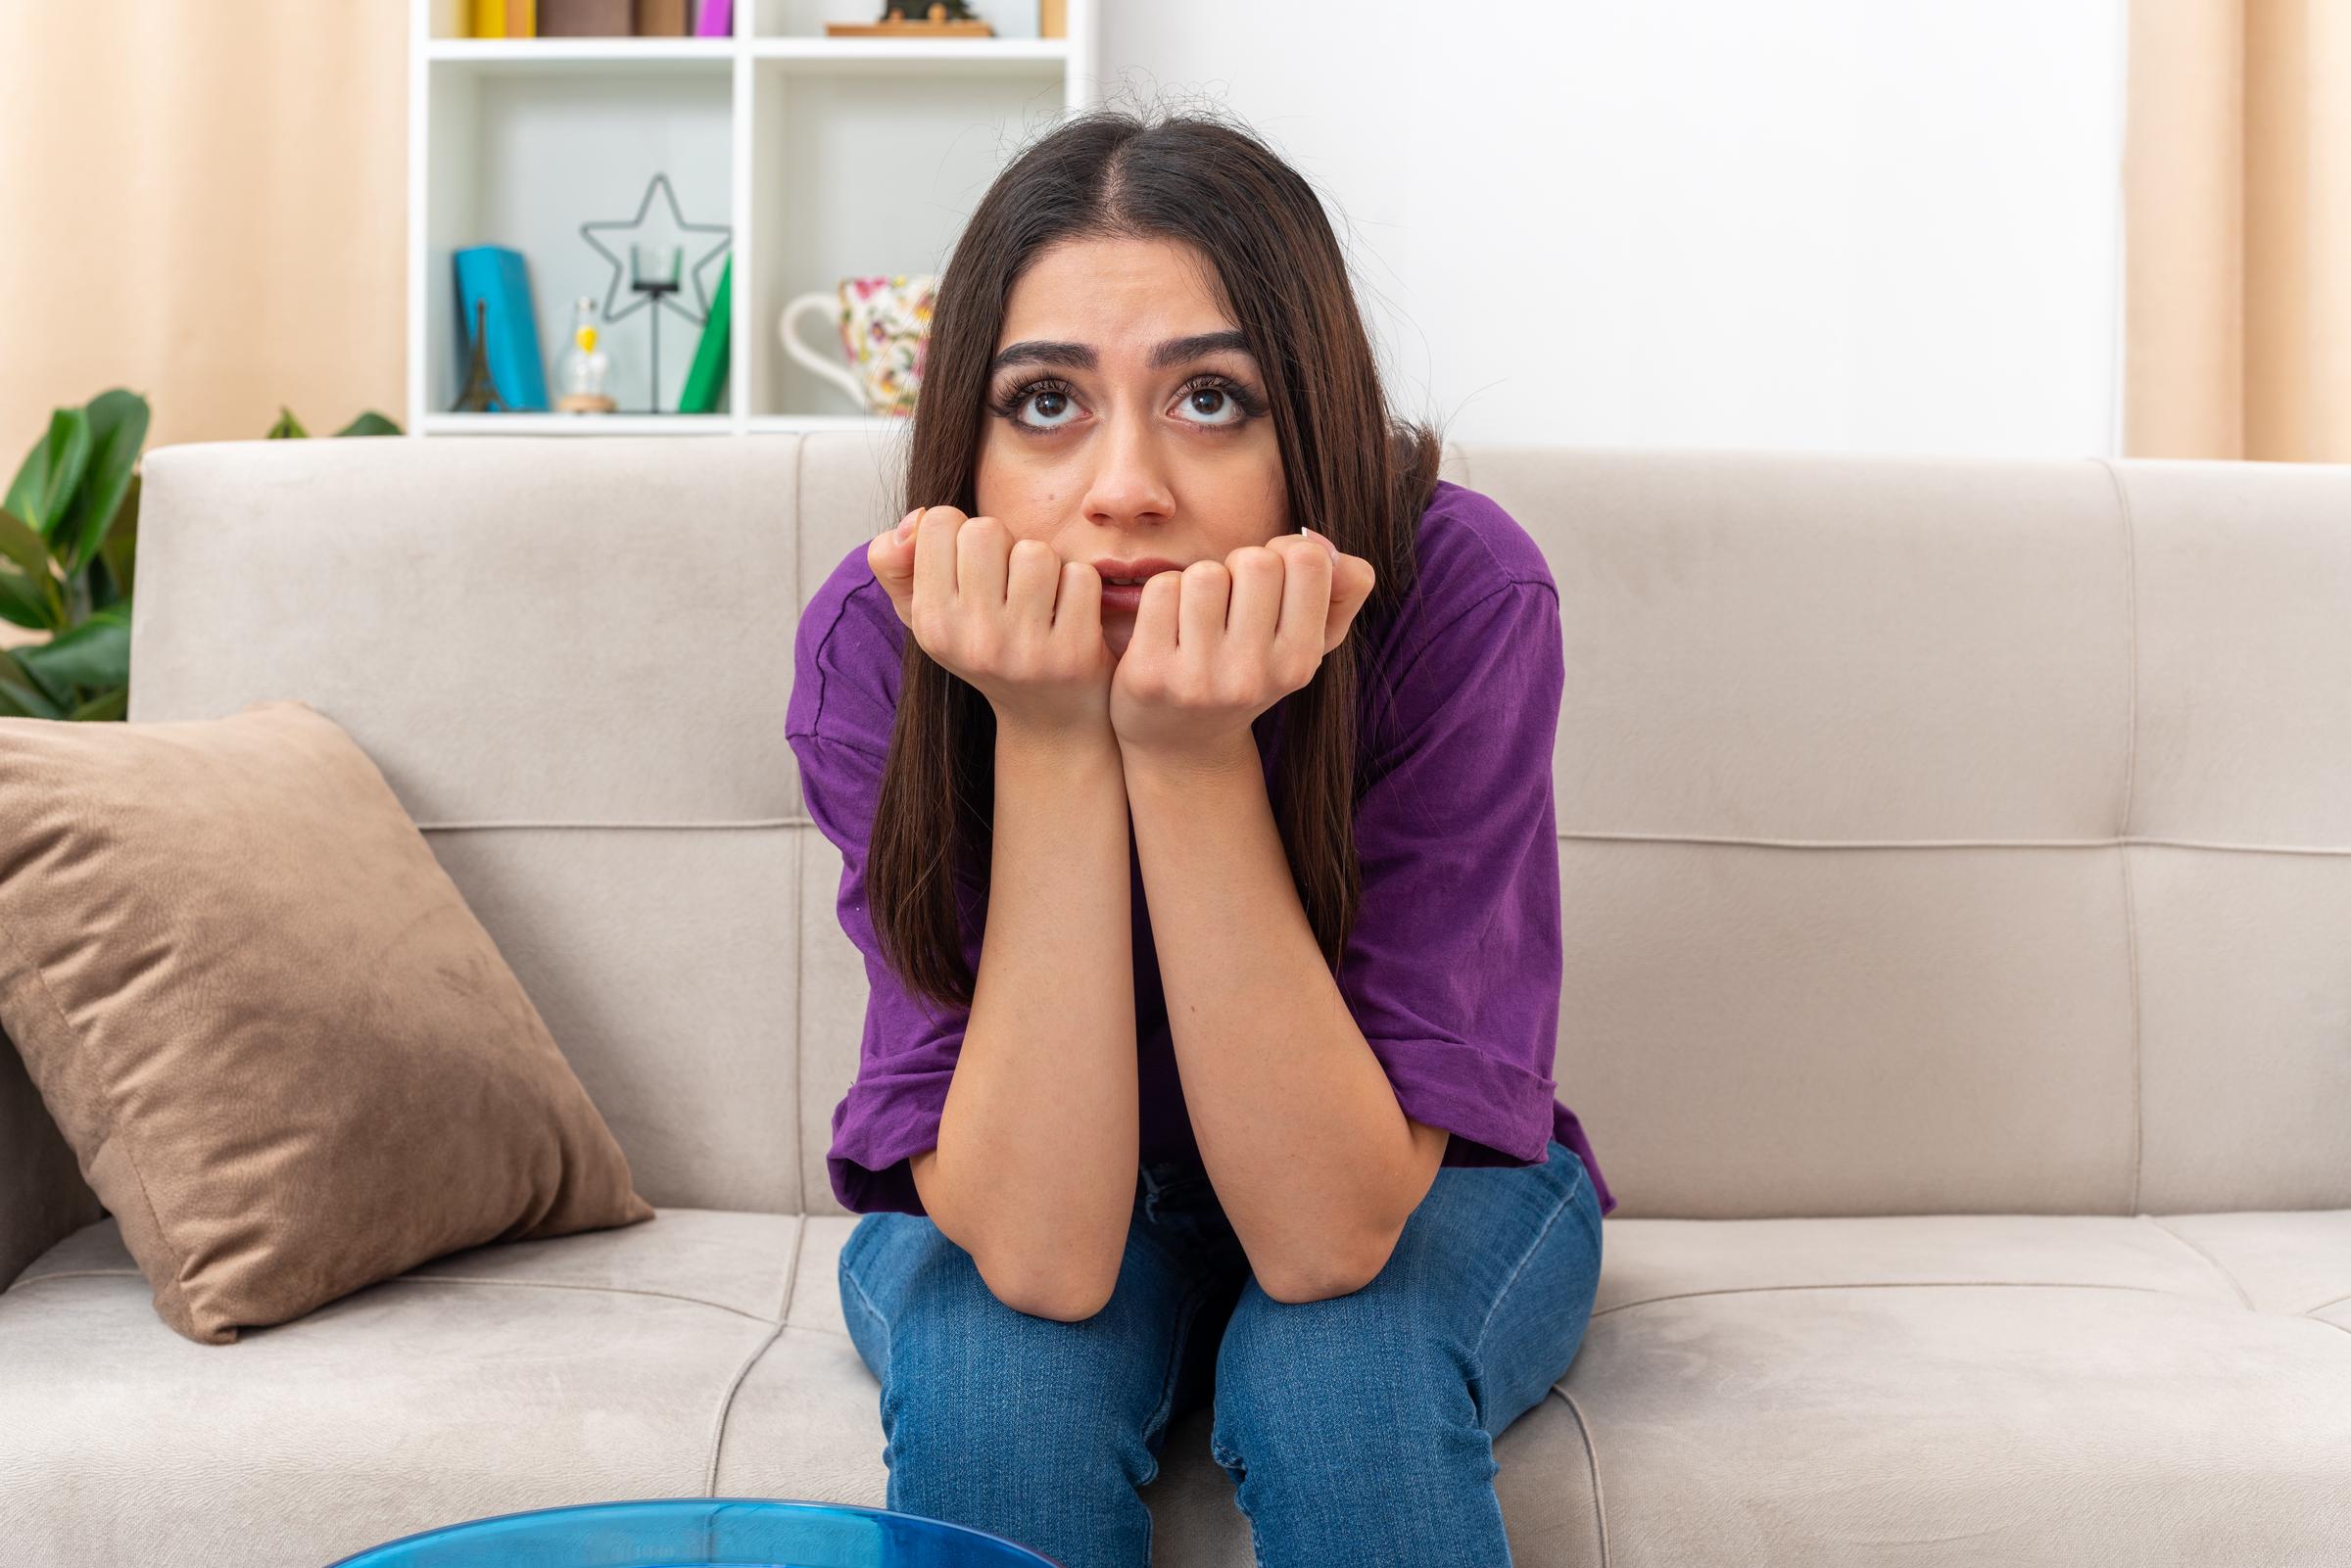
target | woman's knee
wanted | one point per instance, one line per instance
(962, 1367)
(1326, 1375)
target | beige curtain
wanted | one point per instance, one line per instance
(2238, 196)
(208, 205)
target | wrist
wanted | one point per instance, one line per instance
(1234, 757)
(1056, 744)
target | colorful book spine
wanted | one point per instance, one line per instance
(499, 275)
(707, 377)
(714, 19)
(522, 19)
(487, 19)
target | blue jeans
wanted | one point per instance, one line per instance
(1358, 1429)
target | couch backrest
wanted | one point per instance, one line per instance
(1937, 834)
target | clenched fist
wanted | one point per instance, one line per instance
(1008, 615)
(1220, 641)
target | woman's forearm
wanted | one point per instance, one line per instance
(1039, 1142)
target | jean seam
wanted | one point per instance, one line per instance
(1477, 1346)
(1195, 1299)
(870, 1311)
(1187, 1315)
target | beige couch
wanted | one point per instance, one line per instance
(1957, 868)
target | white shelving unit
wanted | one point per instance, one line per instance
(829, 158)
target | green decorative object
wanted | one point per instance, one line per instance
(707, 376)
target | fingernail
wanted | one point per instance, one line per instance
(1326, 543)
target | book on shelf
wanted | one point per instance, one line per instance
(660, 19)
(707, 377)
(714, 19)
(497, 275)
(584, 19)
(501, 18)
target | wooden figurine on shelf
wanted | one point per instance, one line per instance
(943, 18)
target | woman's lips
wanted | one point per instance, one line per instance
(1127, 597)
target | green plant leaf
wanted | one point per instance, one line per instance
(21, 544)
(19, 698)
(97, 652)
(287, 425)
(20, 603)
(112, 704)
(30, 599)
(118, 422)
(45, 482)
(369, 423)
(118, 558)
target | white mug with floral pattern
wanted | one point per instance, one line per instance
(884, 324)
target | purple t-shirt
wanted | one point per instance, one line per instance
(1452, 967)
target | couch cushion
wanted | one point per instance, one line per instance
(1958, 1388)
(501, 1378)
(1931, 1388)
(286, 1053)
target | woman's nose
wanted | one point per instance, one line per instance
(1130, 476)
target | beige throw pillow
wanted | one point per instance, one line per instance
(287, 1056)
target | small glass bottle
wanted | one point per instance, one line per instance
(581, 375)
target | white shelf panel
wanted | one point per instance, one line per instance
(667, 424)
(895, 54)
(783, 423)
(579, 424)
(523, 53)
(916, 54)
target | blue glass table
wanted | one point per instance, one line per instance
(703, 1533)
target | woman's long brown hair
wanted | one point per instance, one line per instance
(1349, 468)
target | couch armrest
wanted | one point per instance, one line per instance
(42, 1196)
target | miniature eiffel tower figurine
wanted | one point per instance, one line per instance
(480, 393)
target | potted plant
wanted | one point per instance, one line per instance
(69, 538)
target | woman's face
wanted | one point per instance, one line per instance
(1103, 448)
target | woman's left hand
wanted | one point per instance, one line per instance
(1218, 643)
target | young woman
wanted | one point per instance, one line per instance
(1211, 923)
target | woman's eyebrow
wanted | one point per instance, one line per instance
(1081, 356)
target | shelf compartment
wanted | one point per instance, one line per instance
(869, 168)
(523, 151)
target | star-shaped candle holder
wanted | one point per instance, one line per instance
(653, 267)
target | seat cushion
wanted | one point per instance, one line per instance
(504, 1377)
(1969, 1389)
(1933, 1389)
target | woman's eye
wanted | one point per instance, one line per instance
(1047, 402)
(1218, 400)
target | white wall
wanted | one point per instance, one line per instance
(1827, 224)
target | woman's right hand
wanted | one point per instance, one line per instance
(1008, 615)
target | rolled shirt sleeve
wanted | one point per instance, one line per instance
(1452, 967)
(839, 731)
